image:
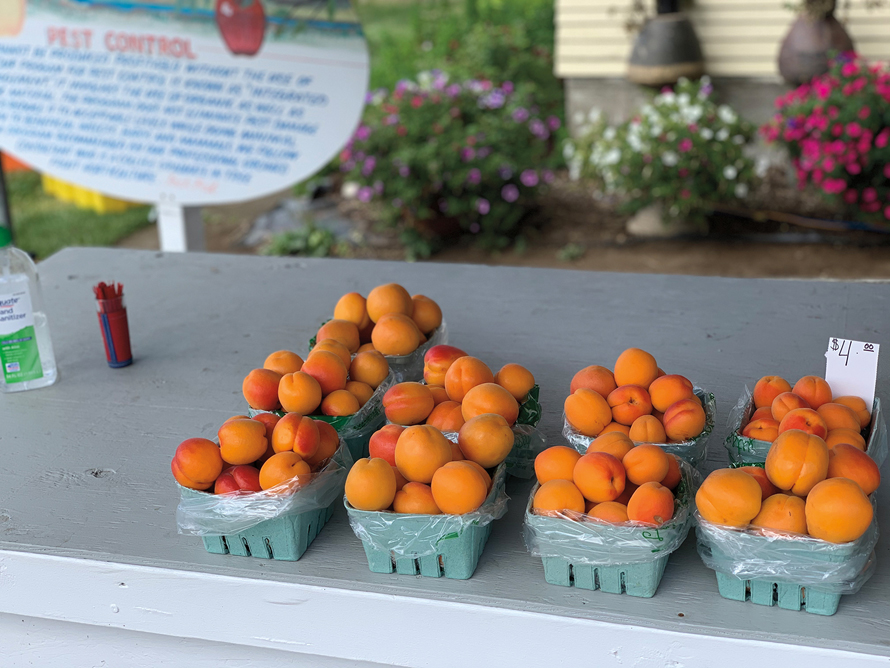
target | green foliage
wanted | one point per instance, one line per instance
(571, 251)
(682, 150)
(310, 241)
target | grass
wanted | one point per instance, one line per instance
(42, 225)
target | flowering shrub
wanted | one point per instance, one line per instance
(682, 151)
(470, 154)
(837, 130)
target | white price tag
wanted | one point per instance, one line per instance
(851, 368)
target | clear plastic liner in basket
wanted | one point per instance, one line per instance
(207, 514)
(418, 536)
(582, 540)
(694, 451)
(761, 554)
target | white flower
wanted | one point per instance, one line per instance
(578, 118)
(707, 133)
(730, 172)
(726, 114)
(738, 139)
(594, 115)
(683, 99)
(568, 150)
(669, 158)
(665, 98)
(612, 157)
(656, 130)
(761, 166)
(671, 136)
(722, 134)
(674, 211)
(609, 133)
(741, 189)
(634, 141)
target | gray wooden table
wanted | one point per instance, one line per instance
(93, 573)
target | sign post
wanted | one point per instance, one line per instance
(180, 103)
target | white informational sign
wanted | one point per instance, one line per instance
(851, 368)
(191, 102)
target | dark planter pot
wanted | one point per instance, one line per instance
(666, 49)
(807, 47)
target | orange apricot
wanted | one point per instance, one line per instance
(408, 403)
(674, 474)
(268, 420)
(458, 488)
(328, 443)
(283, 361)
(366, 346)
(456, 454)
(371, 485)
(284, 467)
(296, 433)
(369, 367)
(628, 402)
(647, 429)
(415, 498)
(785, 403)
(351, 307)
(344, 331)
(848, 461)
(782, 512)
(609, 511)
(197, 463)
(556, 462)
(420, 450)
(768, 388)
(382, 443)
(652, 503)
(730, 497)
(242, 441)
(401, 480)
(436, 362)
(667, 390)
(558, 495)
(857, 405)
(490, 398)
(481, 471)
(760, 476)
(629, 489)
(464, 374)
(814, 390)
(426, 315)
(395, 334)
(635, 367)
(340, 402)
(838, 416)
(684, 420)
(616, 426)
(516, 379)
(333, 346)
(440, 396)
(804, 419)
(299, 393)
(762, 430)
(797, 461)
(389, 298)
(327, 369)
(838, 511)
(763, 413)
(587, 411)
(447, 416)
(260, 389)
(361, 391)
(849, 436)
(486, 439)
(614, 443)
(599, 476)
(646, 463)
(596, 378)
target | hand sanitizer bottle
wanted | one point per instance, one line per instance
(26, 352)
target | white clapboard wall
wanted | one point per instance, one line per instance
(739, 38)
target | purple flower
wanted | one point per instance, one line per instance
(510, 193)
(443, 206)
(467, 154)
(378, 187)
(404, 171)
(347, 166)
(474, 177)
(494, 100)
(553, 123)
(507, 87)
(505, 172)
(482, 206)
(529, 178)
(538, 129)
(392, 119)
(453, 90)
(520, 115)
(363, 132)
(474, 228)
(548, 176)
(365, 194)
(483, 152)
(369, 97)
(368, 167)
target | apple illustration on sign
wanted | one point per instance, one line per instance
(242, 24)
(12, 17)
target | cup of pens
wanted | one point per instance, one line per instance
(113, 323)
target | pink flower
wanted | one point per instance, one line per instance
(849, 69)
(834, 186)
(685, 194)
(887, 170)
(833, 111)
(854, 129)
(869, 195)
(683, 172)
(483, 206)
(883, 138)
(416, 101)
(828, 164)
(850, 196)
(854, 168)
(887, 212)
(864, 113)
(870, 207)
(818, 175)
(685, 145)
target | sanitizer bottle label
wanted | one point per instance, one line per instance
(18, 344)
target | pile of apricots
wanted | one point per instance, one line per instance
(638, 399)
(417, 470)
(807, 406)
(458, 388)
(331, 381)
(390, 320)
(616, 481)
(265, 452)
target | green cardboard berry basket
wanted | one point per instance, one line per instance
(429, 545)
(744, 451)
(617, 559)
(694, 451)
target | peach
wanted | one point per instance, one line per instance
(596, 378)
(389, 298)
(490, 398)
(857, 405)
(599, 476)
(426, 315)
(369, 367)
(415, 498)
(458, 488)
(447, 416)
(283, 361)
(361, 391)
(768, 388)
(296, 433)
(848, 461)
(282, 468)
(440, 396)
(436, 362)
(760, 476)
(684, 420)
(371, 485)
(786, 402)
(351, 307)
(238, 479)
(635, 367)
(340, 402)
(814, 390)
(764, 413)
(344, 331)
(328, 443)
(614, 443)
(558, 495)
(197, 463)
(838, 511)
(260, 389)
(609, 511)
(333, 346)
(242, 441)
(327, 369)
(652, 503)
(587, 411)
(762, 430)
(421, 450)
(396, 334)
(674, 474)
(849, 436)
(628, 402)
(408, 403)
(646, 463)
(615, 426)
(729, 497)
(838, 416)
(464, 374)
(383, 442)
(486, 440)
(797, 461)
(647, 429)
(804, 419)
(516, 379)
(299, 393)
(670, 389)
(781, 512)
(556, 462)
